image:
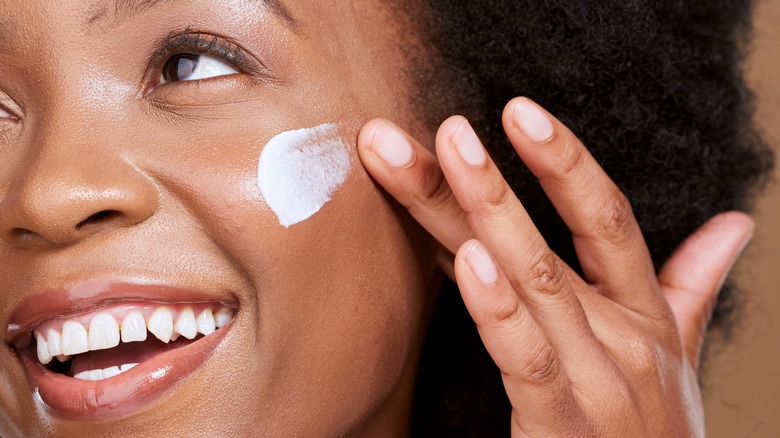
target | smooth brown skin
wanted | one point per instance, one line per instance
(326, 339)
(325, 319)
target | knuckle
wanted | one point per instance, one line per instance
(508, 313)
(546, 275)
(507, 317)
(496, 195)
(543, 364)
(493, 201)
(572, 159)
(643, 354)
(616, 221)
(432, 190)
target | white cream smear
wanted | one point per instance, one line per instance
(299, 171)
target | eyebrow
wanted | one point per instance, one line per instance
(119, 10)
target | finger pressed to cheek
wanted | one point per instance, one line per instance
(391, 146)
(412, 175)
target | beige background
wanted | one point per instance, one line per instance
(743, 394)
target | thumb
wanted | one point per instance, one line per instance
(693, 276)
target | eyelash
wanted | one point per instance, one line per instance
(204, 44)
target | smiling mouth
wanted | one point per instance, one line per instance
(105, 350)
(105, 343)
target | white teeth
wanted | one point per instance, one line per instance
(205, 322)
(43, 349)
(111, 372)
(54, 339)
(74, 338)
(185, 324)
(161, 324)
(105, 373)
(127, 366)
(103, 332)
(134, 328)
(223, 317)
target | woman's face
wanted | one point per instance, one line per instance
(129, 186)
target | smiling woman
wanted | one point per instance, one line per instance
(190, 242)
(130, 191)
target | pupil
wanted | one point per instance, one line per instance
(180, 67)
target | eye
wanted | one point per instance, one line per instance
(5, 114)
(193, 67)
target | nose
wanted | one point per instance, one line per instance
(64, 194)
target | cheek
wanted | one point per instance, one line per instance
(337, 276)
(341, 303)
(299, 171)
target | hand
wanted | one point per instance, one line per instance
(612, 354)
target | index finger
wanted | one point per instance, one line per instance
(411, 174)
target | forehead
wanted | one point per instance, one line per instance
(35, 21)
(96, 15)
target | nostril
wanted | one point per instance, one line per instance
(98, 218)
(27, 237)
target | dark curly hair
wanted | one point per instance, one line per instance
(653, 88)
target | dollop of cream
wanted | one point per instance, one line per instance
(299, 171)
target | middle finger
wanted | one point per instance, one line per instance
(610, 246)
(500, 222)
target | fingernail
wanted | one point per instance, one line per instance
(392, 147)
(743, 241)
(746, 241)
(468, 145)
(534, 123)
(482, 264)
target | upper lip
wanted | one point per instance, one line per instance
(93, 294)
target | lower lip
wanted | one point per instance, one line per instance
(124, 394)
